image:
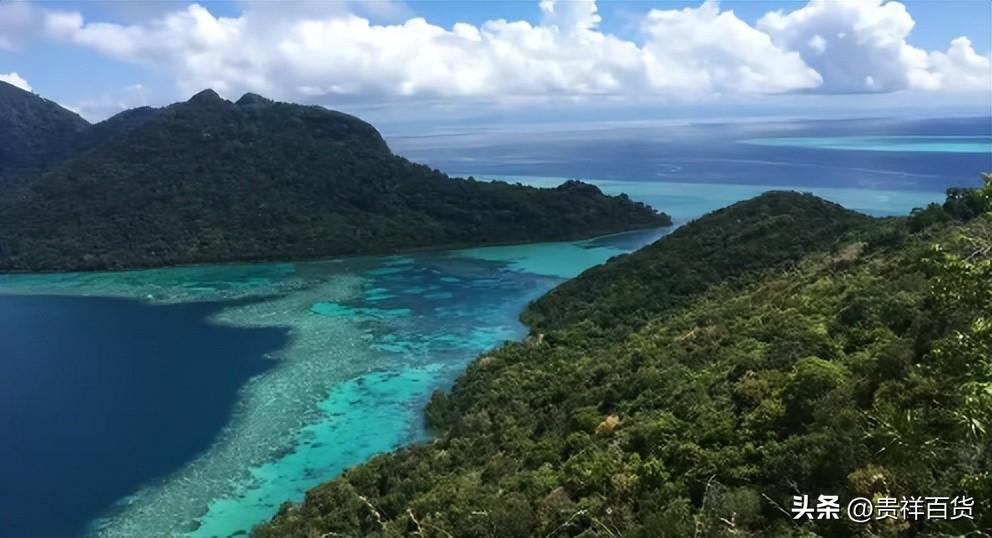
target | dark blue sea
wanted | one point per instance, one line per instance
(882, 153)
(99, 395)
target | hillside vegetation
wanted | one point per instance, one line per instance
(209, 180)
(764, 234)
(782, 346)
(35, 134)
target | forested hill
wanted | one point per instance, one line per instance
(853, 361)
(35, 133)
(209, 180)
(766, 233)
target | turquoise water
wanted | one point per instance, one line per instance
(904, 144)
(563, 260)
(394, 419)
(369, 339)
(687, 201)
(337, 310)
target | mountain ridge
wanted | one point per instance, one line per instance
(210, 180)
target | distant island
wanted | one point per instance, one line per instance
(781, 346)
(209, 180)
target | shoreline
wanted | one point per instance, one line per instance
(405, 360)
(329, 258)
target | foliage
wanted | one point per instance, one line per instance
(35, 134)
(770, 232)
(962, 204)
(213, 181)
(861, 369)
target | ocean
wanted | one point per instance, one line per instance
(925, 155)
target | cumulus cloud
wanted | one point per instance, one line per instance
(960, 67)
(16, 80)
(321, 50)
(862, 47)
(693, 51)
(571, 15)
(705, 49)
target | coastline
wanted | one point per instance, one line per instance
(458, 305)
(585, 236)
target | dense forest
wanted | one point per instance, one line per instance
(779, 347)
(209, 180)
(35, 134)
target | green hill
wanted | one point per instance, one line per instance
(35, 134)
(770, 232)
(209, 180)
(782, 346)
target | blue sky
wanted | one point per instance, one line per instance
(564, 60)
(937, 21)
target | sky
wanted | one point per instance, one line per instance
(418, 63)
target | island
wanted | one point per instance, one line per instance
(210, 180)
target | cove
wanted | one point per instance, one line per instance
(359, 345)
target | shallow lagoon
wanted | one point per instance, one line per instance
(904, 144)
(363, 342)
(367, 340)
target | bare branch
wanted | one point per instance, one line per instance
(776, 505)
(420, 530)
(702, 507)
(607, 529)
(566, 523)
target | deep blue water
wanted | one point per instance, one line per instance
(99, 395)
(711, 153)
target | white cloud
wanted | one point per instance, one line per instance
(960, 67)
(817, 44)
(704, 49)
(108, 104)
(861, 46)
(571, 15)
(318, 51)
(16, 80)
(18, 22)
(342, 54)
